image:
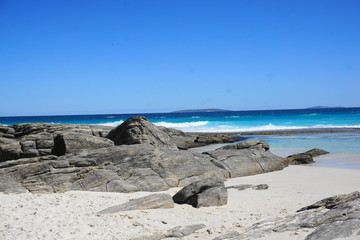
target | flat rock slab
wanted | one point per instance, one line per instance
(176, 232)
(152, 201)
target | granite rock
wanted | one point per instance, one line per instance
(137, 130)
(247, 158)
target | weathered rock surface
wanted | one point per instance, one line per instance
(246, 158)
(342, 220)
(72, 142)
(176, 232)
(192, 140)
(126, 168)
(306, 157)
(205, 193)
(242, 187)
(37, 139)
(148, 202)
(138, 130)
(43, 157)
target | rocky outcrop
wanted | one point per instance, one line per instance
(246, 158)
(126, 168)
(148, 202)
(205, 193)
(137, 130)
(37, 139)
(44, 157)
(342, 220)
(306, 157)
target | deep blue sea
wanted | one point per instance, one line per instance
(343, 144)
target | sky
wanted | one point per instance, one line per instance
(136, 56)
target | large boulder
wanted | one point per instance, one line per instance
(137, 130)
(205, 193)
(246, 158)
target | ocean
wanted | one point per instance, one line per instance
(343, 145)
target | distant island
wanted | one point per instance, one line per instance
(323, 107)
(201, 110)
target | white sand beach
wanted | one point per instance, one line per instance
(73, 215)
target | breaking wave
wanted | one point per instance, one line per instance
(182, 125)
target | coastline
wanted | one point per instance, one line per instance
(73, 214)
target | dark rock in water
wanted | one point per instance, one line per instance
(248, 144)
(306, 157)
(71, 142)
(205, 193)
(247, 158)
(138, 130)
(192, 140)
(148, 202)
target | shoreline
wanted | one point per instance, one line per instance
(73, 215)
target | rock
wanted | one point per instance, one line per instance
(246, 186)
(37, 139)
(137, 130)
(9, 149)
(193, 140)
(6, 131)
(176, 232)
(205, 193)
(216, 196)
(229, 236)
(9, 185)
(248, 144)
(125, 168)
(246, 158)
(179, 232)
(306, 157)
(342, 220)
(71, 142)
(332, 201)
(149, 202)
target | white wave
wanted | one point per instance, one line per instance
(268, 127)
(112, 124)
(232, 117)
(195, 117)
(182, 124)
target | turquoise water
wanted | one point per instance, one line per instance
(231, 121)
(343, 146)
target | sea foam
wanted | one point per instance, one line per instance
(182, 125)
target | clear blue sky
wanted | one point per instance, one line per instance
(76, 57)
